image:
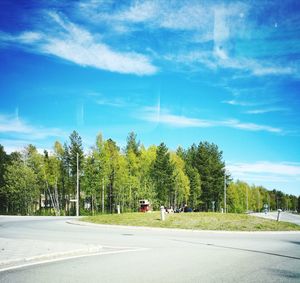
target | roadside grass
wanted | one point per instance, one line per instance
(194, 221)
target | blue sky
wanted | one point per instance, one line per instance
(175, 71)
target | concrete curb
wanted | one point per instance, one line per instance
(89, 224)
(15, 263)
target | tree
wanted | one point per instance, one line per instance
(180, 195)
(52, 175)
(90, 181)
(111, 151)
(207, 159)
(195, 187)
(147, 187)
(132, 144)
(21, 188)
(133, 170)
(3, 163)
(75, 148)
(238, 197)
(34, 160)
(162, 175)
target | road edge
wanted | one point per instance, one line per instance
(90, 224)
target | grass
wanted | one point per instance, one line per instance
(195, 221)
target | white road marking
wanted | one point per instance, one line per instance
(99, 253)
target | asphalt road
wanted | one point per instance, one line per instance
(119, 254)
(284, 216)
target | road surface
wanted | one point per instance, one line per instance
(284, 216)
(48, 249)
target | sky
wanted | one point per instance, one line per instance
(178, 72)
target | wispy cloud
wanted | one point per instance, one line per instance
(163, 116)
(10, 124)
(270, 174)
(11, 145)
(249, 126)
(219, 59)
(76, 44)
(116, 101)
(154, 114)
(266, 110)
(263, 167)
(238, 103)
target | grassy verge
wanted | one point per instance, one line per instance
(195, 221)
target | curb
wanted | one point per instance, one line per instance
(89, 224)
(20, 262)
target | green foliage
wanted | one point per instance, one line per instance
(132, 144)
(162, 175)
(21, 188)
(32, 183)
(181, 182)
(195, 187)
(207, 159)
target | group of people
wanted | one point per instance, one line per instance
(185, 208)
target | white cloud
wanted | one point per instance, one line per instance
(239, 103)
(79, 46)
(249, 126)
(139, 12)
(154, 114)
(219, 58)
(266, 167)
(266, 110)
(99, 56)
(11, 145)
(163, 116)
(260, 70)
(29, 37)
(223, 24)
(282, 175)
(10, 124)
(112, 102)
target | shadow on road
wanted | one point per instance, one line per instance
(285, 273)
(239, 249)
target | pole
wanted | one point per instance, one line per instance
(77, 201)
(247, 208)
(162, 213)
(102, 195)
(225, 191)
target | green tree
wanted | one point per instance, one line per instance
(207, 159)
(195, 187)
(34, 160)
(75, 148)
(4, 159)
(90, 181)
(238, 197)
(132, 144)
(180, 195)
(162, 175)
(147, 189)
(52, 176)
(21, 188)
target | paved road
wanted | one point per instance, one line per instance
(118, 254)
(284, 216)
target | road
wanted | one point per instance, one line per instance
(284, 216)
(51, 250)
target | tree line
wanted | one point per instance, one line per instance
(43, 184)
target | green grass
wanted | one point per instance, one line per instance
(195, 221)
